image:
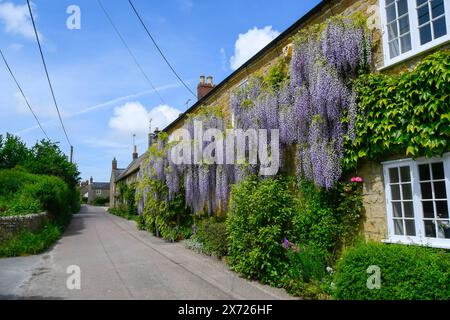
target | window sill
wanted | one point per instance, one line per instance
(429, 243)
(415, 53)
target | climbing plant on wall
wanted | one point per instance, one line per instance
(316, 109)
(406, 114)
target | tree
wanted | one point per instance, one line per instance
(47, 158)
(13, 152)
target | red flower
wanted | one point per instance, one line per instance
(357, 180)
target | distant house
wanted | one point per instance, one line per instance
(91, 190)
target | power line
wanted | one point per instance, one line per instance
(23, 94)
(159, 49)
(129, 51)
(46, 72)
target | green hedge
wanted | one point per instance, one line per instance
(407, 273)
(24, 193)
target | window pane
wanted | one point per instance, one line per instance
(397, 207)
(402, 7)
(442, 209)
(444, 229)
(405, 174)
(424, 15)
(391, 14)
(388, 2)
(440, 191)
(440, 29)
(392, 30)
(410, 228)
(404, 25)
(394, 49)
(425, 34)
(395, 190)
(438, 171)
(427, 192)
(420, 2)
(407, 192)
(408, 209)
(430, 229)
(393, 175)
(398, 226)
(428, 209)
(424, 172)
(406, 43)
(437, 8)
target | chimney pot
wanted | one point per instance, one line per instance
(114, 164)
(204, 87)
(135, 153)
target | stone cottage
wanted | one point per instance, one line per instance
(406, 200)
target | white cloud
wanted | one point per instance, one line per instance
(16, 19)
(250, 43)
(133, 118)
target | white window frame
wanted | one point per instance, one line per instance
(416, 47)
(420, 238)
(98, 192)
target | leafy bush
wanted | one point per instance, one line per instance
(24, 193)
(261, 216)
(28, 243)
(121, 211)
(287, 234)
(328, 220)
(212, 236)
(407, 273)
(100, 201)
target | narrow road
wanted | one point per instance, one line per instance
(119, 262)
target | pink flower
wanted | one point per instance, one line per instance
(357, 180)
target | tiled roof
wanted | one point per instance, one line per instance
(100, 185)
(132, 168)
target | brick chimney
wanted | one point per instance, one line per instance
(204, 87)
(91, 181)
(135, 153)
(114, 164)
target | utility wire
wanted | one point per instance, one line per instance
(46, 72)
(129, 51)
(23, 94)
(159, 49)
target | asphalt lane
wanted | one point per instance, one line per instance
(117, 261)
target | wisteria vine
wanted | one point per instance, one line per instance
(315, 111)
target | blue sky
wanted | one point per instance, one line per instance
(102, 95)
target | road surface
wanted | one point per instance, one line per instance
(119, 262)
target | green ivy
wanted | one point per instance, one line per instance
(406, 114)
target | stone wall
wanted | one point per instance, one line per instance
(375, 218)
(13, 225)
